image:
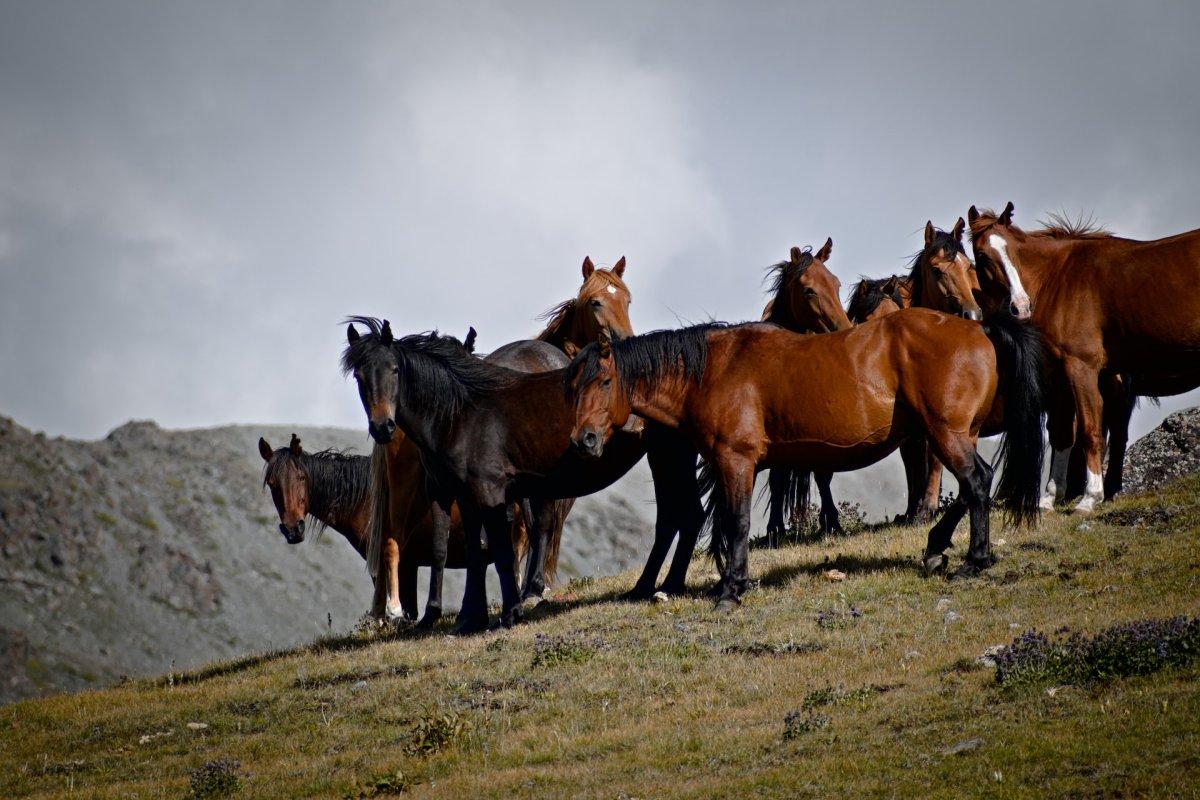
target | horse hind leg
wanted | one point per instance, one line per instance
(777, 487)
(974, 476)
(830, 520)
(1089, 410)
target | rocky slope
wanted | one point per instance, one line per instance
(1167, 452)
(152, 550)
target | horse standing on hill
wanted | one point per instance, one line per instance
(1099, 302)
(754, 396)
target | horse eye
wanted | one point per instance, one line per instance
(607, 382)
(597, 304)
(810, 292)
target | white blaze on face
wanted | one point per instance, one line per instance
(612, 289)
(1019, 297)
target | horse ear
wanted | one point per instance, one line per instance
(588, 267)
(620, 267)
(351, 334)
(264, 449)
(469, 342)
(295, 445)
(795, 255)
(929, 231)
(972, 215)
(825, 251)
(385, 333)
(605, 344)
(571, 349)
(1005, 217)
(958, 229)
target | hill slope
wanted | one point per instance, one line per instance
(868, 686)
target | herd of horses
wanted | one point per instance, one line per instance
(478, 459)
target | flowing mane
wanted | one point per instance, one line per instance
(1055, 226)
(869, 293)
(337, 481)
(648, 358)
(438, 377)
(781, 276)
(942, 242)
(559, 316)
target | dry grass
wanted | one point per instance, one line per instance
(673, 700)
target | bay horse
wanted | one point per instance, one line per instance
(490, 436)
(601, 304)
(332, 489)
(1107, 306)
(873, 298)
(805, 298)
(754, 396)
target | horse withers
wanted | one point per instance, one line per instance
(800, 401)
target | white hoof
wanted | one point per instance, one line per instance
(394, 614)
(1047, 502)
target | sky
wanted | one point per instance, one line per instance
(193, 196)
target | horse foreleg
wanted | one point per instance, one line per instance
(440, 512)
(538, 518)
(391, 569)
(737, 479)
(777, 488)
(1089, 411)
(497, 523)
(408, 588)
(1119, 401)
(831, 521)
(690, 519)
(1060, 425)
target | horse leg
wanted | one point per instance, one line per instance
(437, 563)
(497, 523)
(932, 498)
(538, 521)
(912, 453)
(777, 488)
(408, 589)
(974, 477)
(688, 513)
(1118, 407)
(737, 477)
(831, 521)
(1089, 410)
(391, 567)
(1060, 425)
(666, 462)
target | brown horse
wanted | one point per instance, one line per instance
(805, 298)
(1107, 306)
(873, 298)
(601, 305)
(754, 396)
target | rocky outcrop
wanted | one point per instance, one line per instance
(1169, 451)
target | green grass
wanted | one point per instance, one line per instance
(866, 687)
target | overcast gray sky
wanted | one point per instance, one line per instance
(193, 195)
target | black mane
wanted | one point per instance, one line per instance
(438, 376)
(337, 481)
(650, 357)
(785, 272)
(943, 242)
(868, 294)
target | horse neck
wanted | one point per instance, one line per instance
(322, 506)
(781, 314)
(1040, 256)
(662, 401)
(564, 328)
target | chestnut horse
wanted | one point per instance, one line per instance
(1107, 306)
(753, 396)
(332, 488)
(601, 305)
(805, 298)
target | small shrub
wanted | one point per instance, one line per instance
(840, 696)
(1131, 648)
(837, 616)
(570, 649)
(216, 779)
(798, 723)
(787, 648)
(434, 732)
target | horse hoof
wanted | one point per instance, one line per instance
(638, 594)
(935, 563)
(511, 617)
(429, 620)
(471, 625)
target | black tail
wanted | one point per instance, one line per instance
(718, 535)
(796, 495)
(1019, 358)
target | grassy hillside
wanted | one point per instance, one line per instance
(867, 686)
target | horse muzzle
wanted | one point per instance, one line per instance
(382, 432)
(293, 535)
(973, 314)
(589, 444)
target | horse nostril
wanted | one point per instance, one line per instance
(300, 526)
(1014, 309)
(589, 439)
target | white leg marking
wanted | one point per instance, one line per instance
(1095, 493)
(1019, 296)
(1056, 485)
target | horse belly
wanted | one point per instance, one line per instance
(826, 457)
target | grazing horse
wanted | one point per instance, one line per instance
(1107, 306)
(754, 396)
(805, 298)
(873, 298)
(490, 436)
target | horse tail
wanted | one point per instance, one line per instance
(796, 495)
(713, 520)
(1019, 360)
(379, 497)
(554, 542)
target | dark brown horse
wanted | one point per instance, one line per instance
(1107, 306)
(873, 298)
(332, 489)
(755, 396)
(490, 436)
(805, 298)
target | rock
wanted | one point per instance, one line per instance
(943, 604)
(963, 747)
(833, 575)
(1170, 451)
(661, 597)
(988, 657)
(952, 617)
(197, 726)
